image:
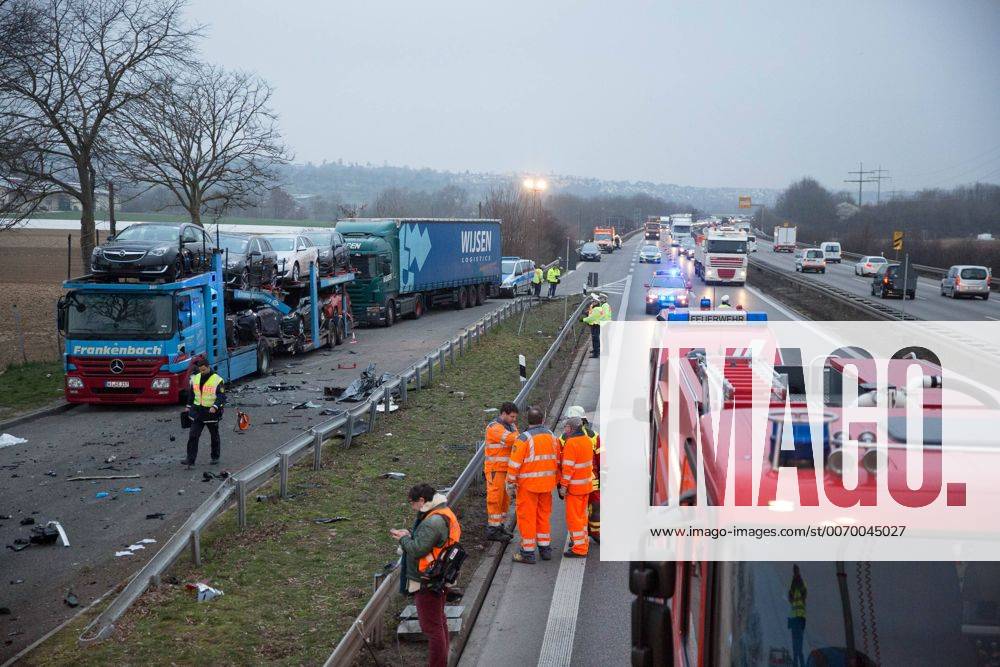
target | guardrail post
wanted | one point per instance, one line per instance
(241, 503)
(386, 400)
(371, 415)
(196, 547)
(317, 450)
(284, 458)
(430, 370)
(349, 430)
(416, 377)
(461, 343)
(451, 352)
(441, 359)
(403, 381)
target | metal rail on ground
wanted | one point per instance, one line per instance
(370, 619)
(240, 484)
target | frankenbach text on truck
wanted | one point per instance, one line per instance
(134, 342)
(405, 266)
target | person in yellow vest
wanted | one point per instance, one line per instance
(598, 313)
(206, 398)
(594, 501)
(552, 278)
(500, 436)
(536, 281)
(797, 620)
(435, 528)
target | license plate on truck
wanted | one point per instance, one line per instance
(116, 384)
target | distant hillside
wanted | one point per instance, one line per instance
(361, 183)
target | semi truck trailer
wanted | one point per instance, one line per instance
(404, 266)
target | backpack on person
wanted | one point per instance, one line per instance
(444, 571)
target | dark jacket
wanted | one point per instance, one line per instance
(426, 534)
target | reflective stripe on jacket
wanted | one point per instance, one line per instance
(534, 460)
(798, 600)
(595, 442)
(204, 395)
(499, 440)
(553, 274)
(454, 535)
(577, 464)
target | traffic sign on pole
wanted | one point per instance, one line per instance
(745, 202)
(897, 240)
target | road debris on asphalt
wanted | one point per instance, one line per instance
(71, 600)
(307, 404)
(84, 478)
(27, 521)
(204, 592)
(132, 489)
(393, 406)
(6, 440)
(156, 515)
(361, 388)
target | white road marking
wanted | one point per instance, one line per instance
(623, 306)
(995, 319)
(560, 630)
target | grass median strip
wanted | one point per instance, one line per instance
(293, 586)
(30, 386)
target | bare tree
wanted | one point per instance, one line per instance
(96, 59)
(208, 136)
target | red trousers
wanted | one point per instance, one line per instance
(430, 613)
(576, 522)
(534, 513)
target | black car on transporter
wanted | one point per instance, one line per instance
(155, 250)
(331, 249)
(248, 260)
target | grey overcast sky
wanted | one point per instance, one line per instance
(706, 93)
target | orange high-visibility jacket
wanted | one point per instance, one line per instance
(454, 535)
(595, 441)
(534, 460)
(499, 440)
(577, 464)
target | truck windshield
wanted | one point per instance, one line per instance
(682, 230)
(122, 316)
(602, 237)
(900, 613)
(364, 266)
(724, 245)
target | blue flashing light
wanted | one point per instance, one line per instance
(705, 303)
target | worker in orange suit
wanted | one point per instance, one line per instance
(531, 477)
(594, 508)
(500, 436)
(577, 469)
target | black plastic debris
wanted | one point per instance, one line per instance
(15, 582)
(51, 473)
(71, 600)
(27, 521)
(156, 515)
(331, 519)
(282, 387)
(307, 405)
(44, 535)
(362, 387)
(4, 611)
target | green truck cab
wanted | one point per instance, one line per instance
(404, 266)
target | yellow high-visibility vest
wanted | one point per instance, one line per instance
(204, 396)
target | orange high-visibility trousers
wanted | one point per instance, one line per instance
(497, 501)
(576, 522)
(534, 512)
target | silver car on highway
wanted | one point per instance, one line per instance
(966, 280)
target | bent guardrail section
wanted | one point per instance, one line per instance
(369, 621)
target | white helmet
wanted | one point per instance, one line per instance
(724, 299)
(576, 411)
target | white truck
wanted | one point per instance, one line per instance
(784, 239)
(680, 228)
(721, 258)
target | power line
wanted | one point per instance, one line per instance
(861, 173)
(878, 180)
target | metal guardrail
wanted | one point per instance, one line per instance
(874, 308)
(256, 474)
(369, 620)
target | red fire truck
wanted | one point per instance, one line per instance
(710, 613)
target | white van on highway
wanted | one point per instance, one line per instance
(831, 251)
(751, 243)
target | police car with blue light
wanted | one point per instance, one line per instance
(667, 288)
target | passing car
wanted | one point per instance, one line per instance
(155, 250)
(248, 260)
(810, 259)
(869, 265)
(667, 288)
(515, 275)
(590, 252)
(330, 248)
(967, 280)
(751, 243)
(687, 247)
(295, 254)
(831, 251)
(650, 253)
(894, 280)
